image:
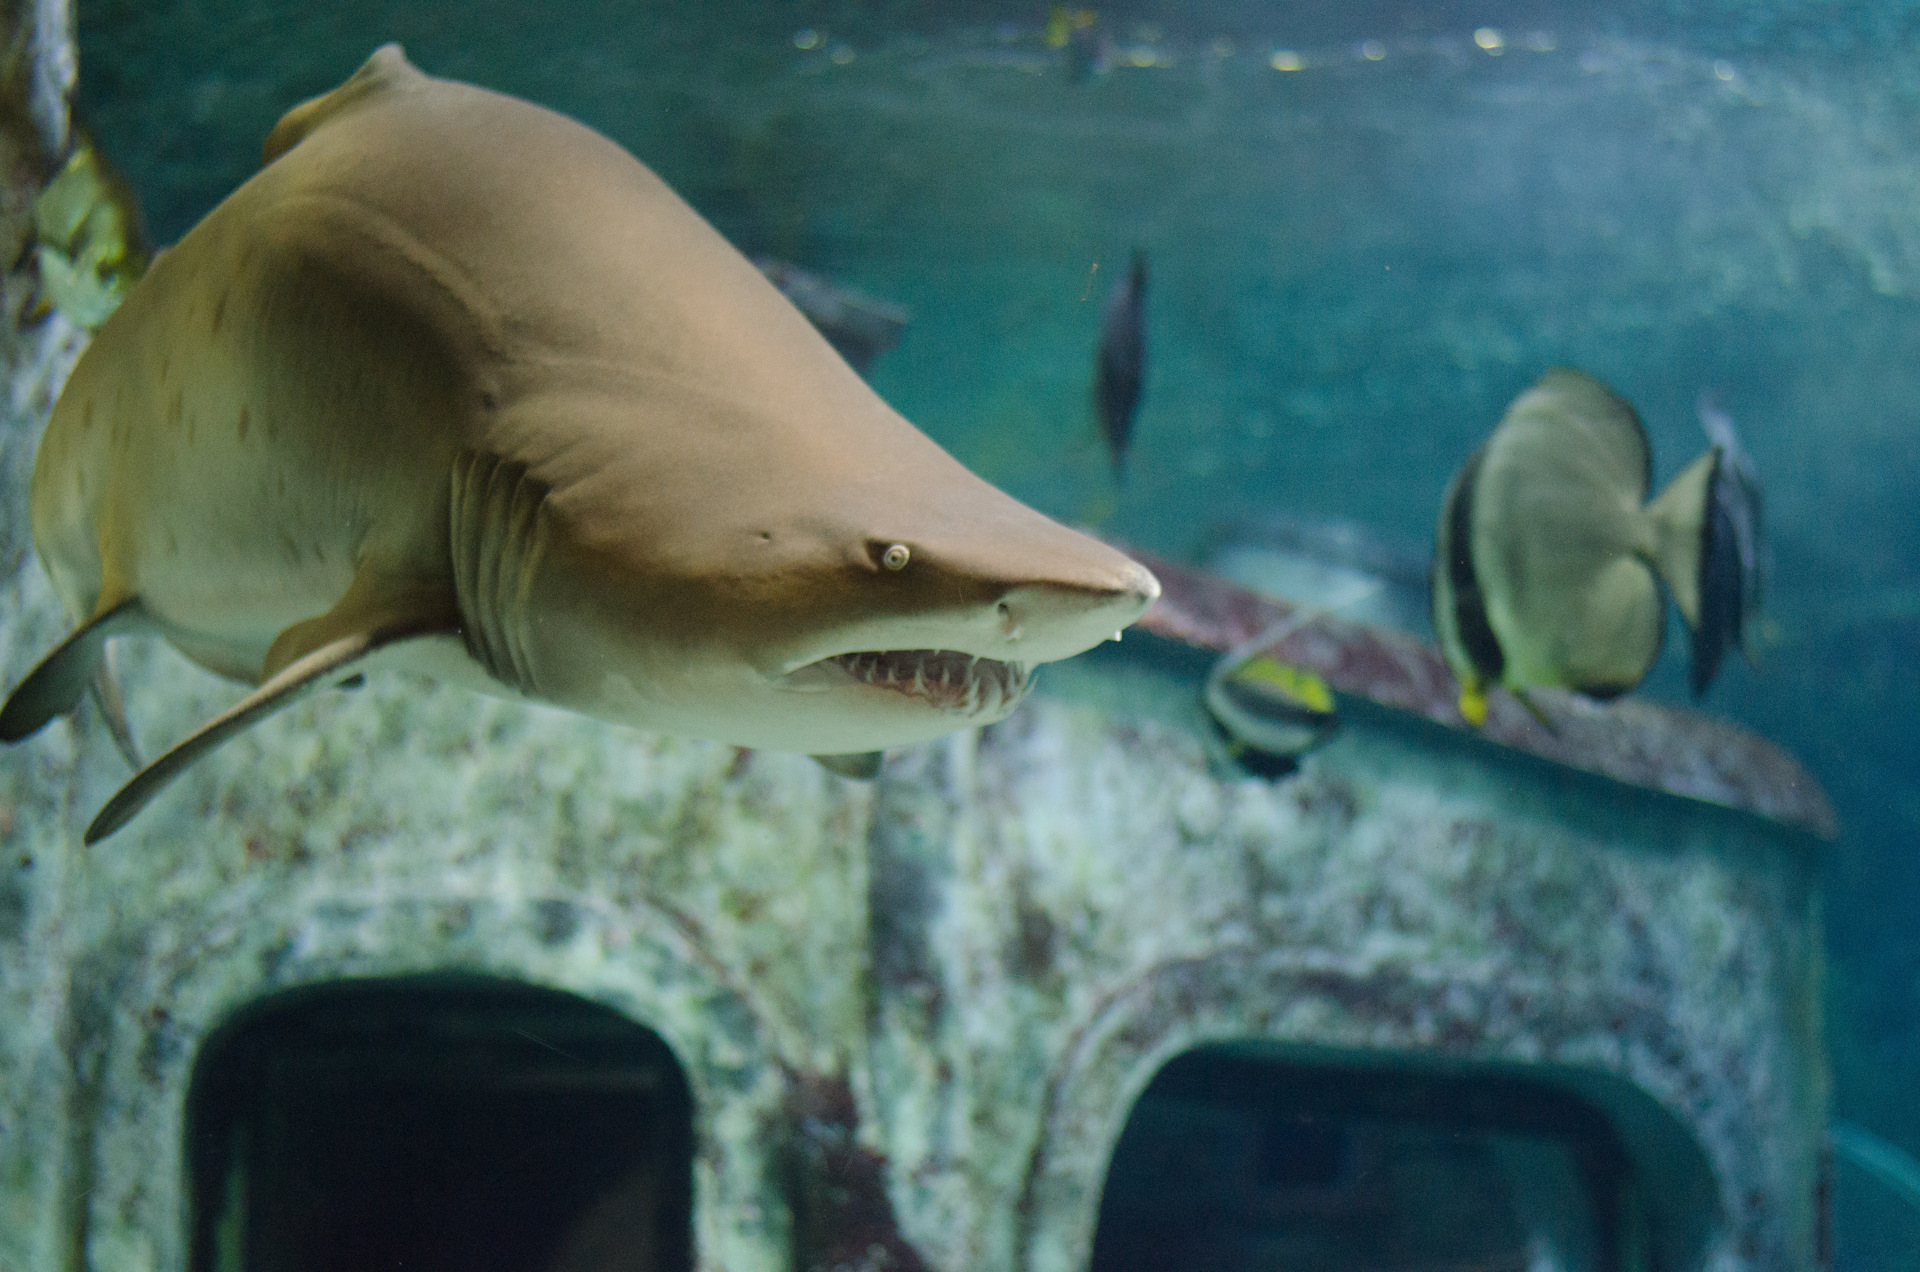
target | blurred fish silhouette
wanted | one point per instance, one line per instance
(1734, 562)
(1268, 712)
(1548, 558)
(860, 328)
(88, 241)
(1086, 50)
(1121, 366)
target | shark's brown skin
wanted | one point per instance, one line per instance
(456, 384)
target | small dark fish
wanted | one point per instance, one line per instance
(1733, 563)
(1121, 368)
(1548, 557)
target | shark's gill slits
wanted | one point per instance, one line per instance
(498, 533)
(950, 681)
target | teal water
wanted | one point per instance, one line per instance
(1355, 266)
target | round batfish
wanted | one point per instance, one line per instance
(1549, 559)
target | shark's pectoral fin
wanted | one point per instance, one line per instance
(376, 602)
(54, 687)
(861, 766)
(319, 669)
(113, 709)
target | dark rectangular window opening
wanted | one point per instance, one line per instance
(438, 1125)
(1229, 1162)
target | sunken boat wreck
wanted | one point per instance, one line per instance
(422, 979)
(439, 981)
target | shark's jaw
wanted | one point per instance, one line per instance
(964, 688)
(954, 683)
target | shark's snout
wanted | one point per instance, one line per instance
(977, 665)
(1045, 622)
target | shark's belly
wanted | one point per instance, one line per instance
(222, 592)
(232, 503)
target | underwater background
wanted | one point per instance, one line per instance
(1356, 265)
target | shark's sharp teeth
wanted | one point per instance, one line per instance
(945, 679)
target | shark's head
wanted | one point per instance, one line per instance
(821, 595)
(916, 627)
(737, 538)
(872, 613)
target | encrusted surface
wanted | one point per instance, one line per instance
(992, 950)
(1083, 901)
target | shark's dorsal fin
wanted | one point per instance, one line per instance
(322, 667)
(385, 71)
(861, 766)
(54, 687)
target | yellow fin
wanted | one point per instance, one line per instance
(1473, 707)
(1295, 682)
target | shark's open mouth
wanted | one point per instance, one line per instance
(949, 681)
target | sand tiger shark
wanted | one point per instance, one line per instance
(456, 385)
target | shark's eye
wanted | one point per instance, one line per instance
(895, 557)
